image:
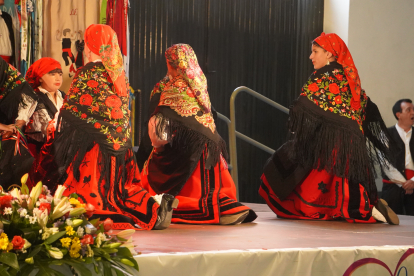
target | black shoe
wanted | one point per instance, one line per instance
(387, 212)
(233, 219)
(168, 203)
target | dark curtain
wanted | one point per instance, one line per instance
(261, 44)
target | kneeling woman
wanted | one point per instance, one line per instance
(187, 159)
(91, 153)
(325, 170)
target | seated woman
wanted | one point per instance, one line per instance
(91, 153)
(45, 77)
(17, 103)
(325, 170)
(187, 160)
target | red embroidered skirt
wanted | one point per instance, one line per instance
(207, 195)
(126, 206)
(321, 196)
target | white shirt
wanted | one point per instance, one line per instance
(40, 119)
(5, 44)
(392, 172)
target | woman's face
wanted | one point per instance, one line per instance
(171, 70)
(319, 57)
(51, 81)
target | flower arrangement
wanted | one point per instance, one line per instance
(44, 234)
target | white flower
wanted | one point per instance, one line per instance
(99, 239)
(58, 194)
(49, 232)
(55, 253)
(45, 235)
(27, 216)
(40, 231)
(68, 222)
(34, 194)
(32, 220)
(62, 208)
(8, 211)
(23, 213)
(42, 219)
(38, 203)
(90, 251)
(80, 232)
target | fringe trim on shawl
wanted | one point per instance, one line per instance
(326, 141)
(180, 135)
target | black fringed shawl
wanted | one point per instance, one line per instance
(169, 170)
(327, 134)
(14, 90)
(91, 114)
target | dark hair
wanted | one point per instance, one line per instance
(317, 45)
(57, 70)
(65, 31)
(397, 106)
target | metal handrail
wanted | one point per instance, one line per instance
(233, 133)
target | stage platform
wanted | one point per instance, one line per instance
(272, 246)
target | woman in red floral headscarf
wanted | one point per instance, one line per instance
(91, 154)
(187, 157)
(325, 170)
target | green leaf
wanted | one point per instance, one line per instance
(34, 251)
(110, 250)
(78, 267)
(44, 270)
(55, 237)
(3, 270)
(9, 259)
(123, 251)
(94, 222)
(127, 268)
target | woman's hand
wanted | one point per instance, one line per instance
(7, 130)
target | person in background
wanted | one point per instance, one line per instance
(187, 156)
(7, 43)
(45, 77)
(398, 183)
(17, 104)
(325, 169)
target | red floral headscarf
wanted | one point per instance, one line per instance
(335, 45)
(183, 58)
(39, 68)
(102, 41)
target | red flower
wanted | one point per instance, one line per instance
(76, 90)
(113, 101)
(95, 108)
(84, 116)
(116, 113)
(319, 81)
(355, 105)
(43, 206)
(97, 125)
(75, 109)
(108, 224)
(339, 77)
(86, 99)
(42, 196)
(333, 87)
(119, 129)
(92, 83)
(338, 100)
(18, 242)
(190, 93)
(116, 146)
(190, 74)
(87, 239)
(313, 87)
(5, 201)
(18, 82)
(90, 209)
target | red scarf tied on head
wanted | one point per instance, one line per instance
(40, 68)
(102, 41)
(335, 45)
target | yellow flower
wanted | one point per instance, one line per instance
(75, 241)
(3, 236)
(69, 230)
(74, 250)
(9, 247)
(182, 64)
(76, 202)
(4, 243)
(65, 242)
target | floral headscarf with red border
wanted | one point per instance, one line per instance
(335, 45)
(102, 40)
(39, 68)
(187, 92)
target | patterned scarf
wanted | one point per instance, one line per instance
(335, 45)
(38, 69)
(102, 41)
(187, 92)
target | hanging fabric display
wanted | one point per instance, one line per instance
(64, 26)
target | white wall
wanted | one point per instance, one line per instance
(380, 36)
(336, 18)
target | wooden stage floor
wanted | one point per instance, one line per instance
(272, 246)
